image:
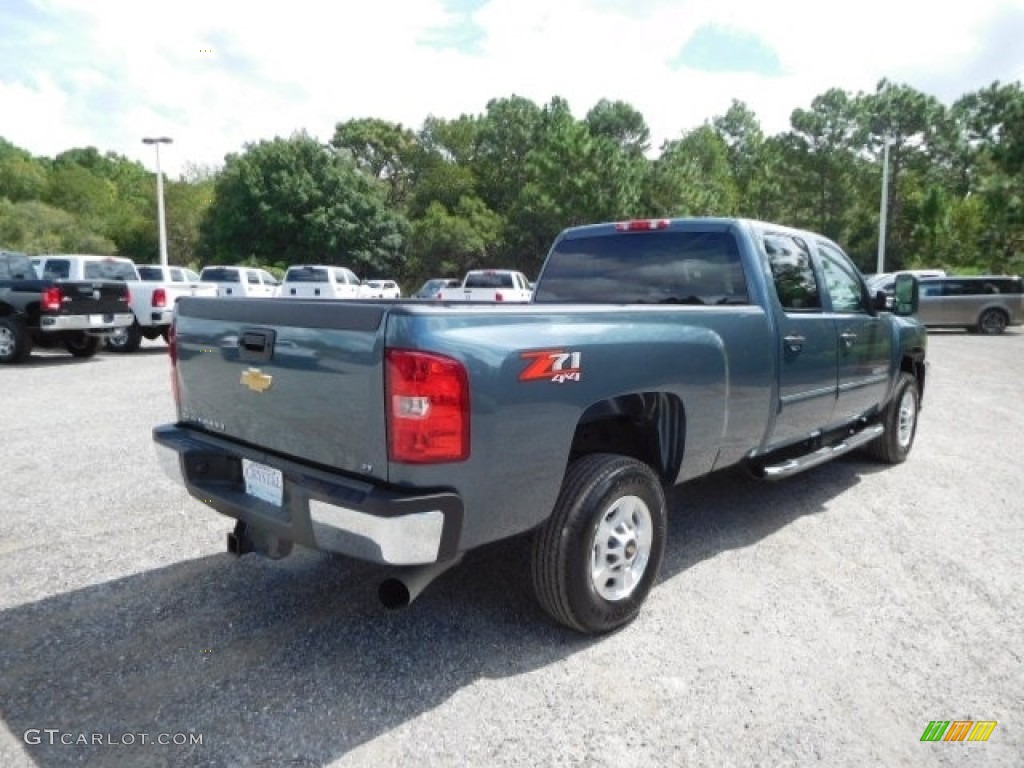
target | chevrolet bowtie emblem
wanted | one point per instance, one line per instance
(256, 380)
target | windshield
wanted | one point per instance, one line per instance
(668, 267)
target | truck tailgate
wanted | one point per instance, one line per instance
(299, 378)
(91, 297)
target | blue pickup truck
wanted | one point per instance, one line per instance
(652, 352)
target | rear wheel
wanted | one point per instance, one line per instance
(992, 322)
(80, 344)
(15, 341)
(899, 417)
(125, 339)
(596, 558)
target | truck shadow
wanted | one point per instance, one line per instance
(294, 661)
(731, 509)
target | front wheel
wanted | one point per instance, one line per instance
(992, 322)
(899, 417)
(597, 557)
(81, 344)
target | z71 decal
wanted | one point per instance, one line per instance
(557, 365)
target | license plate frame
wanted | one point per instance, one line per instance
(263, 482)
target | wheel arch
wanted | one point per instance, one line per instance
(914, 365)
(648, 426)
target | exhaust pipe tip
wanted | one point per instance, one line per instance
(394, 594)
(398, 591)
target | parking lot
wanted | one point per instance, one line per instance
(823, 620)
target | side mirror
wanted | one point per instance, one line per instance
(882, 302)
(905, 296)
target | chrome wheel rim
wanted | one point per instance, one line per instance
(6, 342)
(621, 548)
(992, 322)
(118, 338)
(907, 417)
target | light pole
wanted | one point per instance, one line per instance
(156, 142)
(883, 207)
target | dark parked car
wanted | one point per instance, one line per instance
(433, 286)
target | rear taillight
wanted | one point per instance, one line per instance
(127, 298)
(159, 297)
(641, 225)
(498, 296)
(172, 353)
(427, 407)
(51, 299)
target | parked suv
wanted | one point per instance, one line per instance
(241, 282)
(986, 303)
(320, 281)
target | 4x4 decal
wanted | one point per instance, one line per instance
(557, 365)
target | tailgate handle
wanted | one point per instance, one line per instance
(257, 346)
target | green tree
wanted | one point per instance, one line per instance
(33, 226)
(827, 136)
(452, 242)
(692, 177)
(22, 177)
(296, 201)
(621, 124)
(911, 121)
(753, 160)
(509, 130)
(384, 150)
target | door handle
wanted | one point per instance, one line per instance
(848, 339)
(794, 342)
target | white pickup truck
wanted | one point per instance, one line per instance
(504, 285)
(152, 300)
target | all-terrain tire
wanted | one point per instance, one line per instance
(81, 344)
(595, 560)
(125, 340)
(15, 340)
(899, 417)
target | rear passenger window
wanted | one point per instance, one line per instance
(57, 269)
(842, 282)
(252, 277)
(793, 273)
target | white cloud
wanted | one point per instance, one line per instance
(217, 75)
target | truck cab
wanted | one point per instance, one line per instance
(321, 281)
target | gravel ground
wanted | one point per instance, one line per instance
(821, 620)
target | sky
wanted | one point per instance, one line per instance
(215, 76)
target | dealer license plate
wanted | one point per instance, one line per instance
(263, 482)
